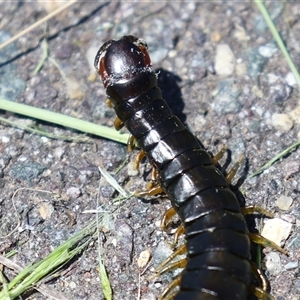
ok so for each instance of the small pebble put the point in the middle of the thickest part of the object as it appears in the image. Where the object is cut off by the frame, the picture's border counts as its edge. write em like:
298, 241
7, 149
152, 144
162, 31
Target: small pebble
290, 79
276, 230
291, 169
224, 60
284, 202
273, 263
72, 285
59, 152
295, 114
292, 265
281, 122
46, 210
73, 192
5, 139
267, 50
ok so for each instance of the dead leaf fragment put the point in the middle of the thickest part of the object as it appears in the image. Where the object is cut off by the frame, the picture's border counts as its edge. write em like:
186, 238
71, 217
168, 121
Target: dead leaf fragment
143, 258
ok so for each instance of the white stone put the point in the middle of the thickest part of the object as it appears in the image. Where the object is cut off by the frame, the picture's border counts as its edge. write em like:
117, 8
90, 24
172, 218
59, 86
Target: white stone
224, 60
273, 263
267, 50
290, 79
292, 265
281, 122
284, 202
276, 230
295, 114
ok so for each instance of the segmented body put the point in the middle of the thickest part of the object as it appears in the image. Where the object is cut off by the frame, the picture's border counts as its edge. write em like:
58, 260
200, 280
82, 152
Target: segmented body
218, 246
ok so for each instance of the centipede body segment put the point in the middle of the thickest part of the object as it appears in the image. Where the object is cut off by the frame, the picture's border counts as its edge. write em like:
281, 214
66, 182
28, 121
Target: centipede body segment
217, 246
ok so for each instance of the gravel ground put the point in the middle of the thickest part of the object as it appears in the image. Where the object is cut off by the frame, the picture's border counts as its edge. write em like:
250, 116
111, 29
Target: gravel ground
221, 73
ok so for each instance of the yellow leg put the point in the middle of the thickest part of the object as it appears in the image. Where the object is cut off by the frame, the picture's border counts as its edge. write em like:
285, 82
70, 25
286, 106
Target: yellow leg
130, 143
218, 156
138, 159
259, 239
168, 216
259, 276
152, 192
118, 124
167, 295
181, 250
260, 294
154, 178
109, 103
233, 170
250, 210
180, 230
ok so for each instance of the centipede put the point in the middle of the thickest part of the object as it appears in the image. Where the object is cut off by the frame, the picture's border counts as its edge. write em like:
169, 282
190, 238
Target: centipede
217, 244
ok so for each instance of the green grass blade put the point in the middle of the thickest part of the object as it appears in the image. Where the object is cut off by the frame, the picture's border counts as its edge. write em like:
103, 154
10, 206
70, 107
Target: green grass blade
274, 159
59, 119
278, 39
3, 283
31, 275
113, 182
106, 287
260, 4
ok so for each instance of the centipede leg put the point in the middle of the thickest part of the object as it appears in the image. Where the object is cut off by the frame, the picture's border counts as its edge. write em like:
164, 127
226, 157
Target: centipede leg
181, 250
167, 220
233, 170
215, 159
154, 178
138, 159
177, 264
152, 192
180, 230
167, 217
109, 103
259, 276
250, 210
260, 240
260, 294
130, 143
118, 124
167, 295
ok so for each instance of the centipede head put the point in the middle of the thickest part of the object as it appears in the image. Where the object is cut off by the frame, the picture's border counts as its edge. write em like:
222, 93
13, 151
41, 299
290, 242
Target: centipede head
119, 61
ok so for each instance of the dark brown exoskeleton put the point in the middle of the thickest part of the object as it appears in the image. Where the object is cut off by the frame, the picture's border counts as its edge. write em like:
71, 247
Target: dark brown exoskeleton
217, 263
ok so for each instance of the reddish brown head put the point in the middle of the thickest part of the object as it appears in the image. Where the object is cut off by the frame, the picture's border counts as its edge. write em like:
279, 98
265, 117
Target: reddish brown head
119, 61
